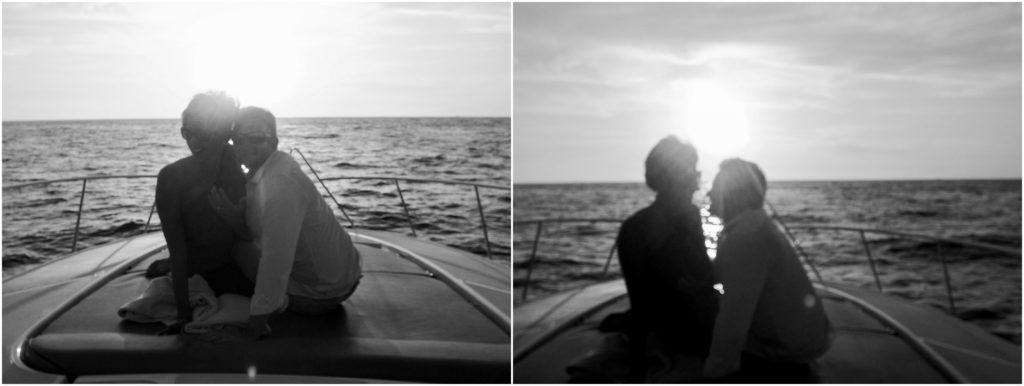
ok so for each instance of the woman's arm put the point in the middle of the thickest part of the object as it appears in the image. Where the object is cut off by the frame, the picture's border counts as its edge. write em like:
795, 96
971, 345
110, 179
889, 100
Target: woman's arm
745, 263
233, 214
168, 204
229, 201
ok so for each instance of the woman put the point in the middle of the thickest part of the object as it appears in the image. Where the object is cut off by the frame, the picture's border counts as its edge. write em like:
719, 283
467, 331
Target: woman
665, 264
198, 239
770, 317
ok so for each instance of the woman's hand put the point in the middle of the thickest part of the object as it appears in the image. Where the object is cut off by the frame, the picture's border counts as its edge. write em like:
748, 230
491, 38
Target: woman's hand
227, 210
233, 214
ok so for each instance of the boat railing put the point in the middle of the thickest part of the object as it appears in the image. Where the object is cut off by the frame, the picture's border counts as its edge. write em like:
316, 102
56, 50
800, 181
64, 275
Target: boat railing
85, 181
939, 242
81, 197
408, 216
539, 223
863, 232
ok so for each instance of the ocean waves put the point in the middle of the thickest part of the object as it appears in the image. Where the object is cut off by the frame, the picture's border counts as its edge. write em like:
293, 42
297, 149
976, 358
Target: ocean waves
39, 221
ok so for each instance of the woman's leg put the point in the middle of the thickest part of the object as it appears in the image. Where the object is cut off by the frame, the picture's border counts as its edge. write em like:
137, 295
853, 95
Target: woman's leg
220, 270
229, 279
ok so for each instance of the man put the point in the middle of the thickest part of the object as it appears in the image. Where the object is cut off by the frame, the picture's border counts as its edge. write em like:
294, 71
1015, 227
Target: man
303, 259
769, 312
666, 267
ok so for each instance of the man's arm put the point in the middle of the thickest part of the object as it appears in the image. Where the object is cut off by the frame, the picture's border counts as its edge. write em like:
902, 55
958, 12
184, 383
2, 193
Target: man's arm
168, 205
743, 276
630, 249
280, 210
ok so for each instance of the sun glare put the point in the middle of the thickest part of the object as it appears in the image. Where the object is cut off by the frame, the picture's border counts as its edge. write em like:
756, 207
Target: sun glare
249, 53
713, 117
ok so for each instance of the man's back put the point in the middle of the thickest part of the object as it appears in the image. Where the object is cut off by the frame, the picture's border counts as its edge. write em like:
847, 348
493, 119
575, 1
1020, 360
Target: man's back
667, 272
295, 227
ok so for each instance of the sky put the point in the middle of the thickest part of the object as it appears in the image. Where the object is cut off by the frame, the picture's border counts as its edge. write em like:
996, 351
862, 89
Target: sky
809, 91
146, 60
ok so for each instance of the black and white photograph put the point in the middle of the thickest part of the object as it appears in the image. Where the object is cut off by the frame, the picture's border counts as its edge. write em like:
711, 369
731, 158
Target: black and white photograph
240, 192
512, 192
767, 192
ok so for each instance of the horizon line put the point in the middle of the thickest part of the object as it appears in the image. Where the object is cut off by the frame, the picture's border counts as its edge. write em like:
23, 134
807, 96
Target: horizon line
277, 117
907, 179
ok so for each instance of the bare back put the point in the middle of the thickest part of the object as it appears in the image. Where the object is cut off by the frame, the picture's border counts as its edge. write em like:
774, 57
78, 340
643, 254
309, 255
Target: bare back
208, 238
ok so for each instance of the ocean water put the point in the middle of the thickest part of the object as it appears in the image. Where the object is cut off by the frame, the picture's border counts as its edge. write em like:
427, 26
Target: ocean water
986, 285
39, 222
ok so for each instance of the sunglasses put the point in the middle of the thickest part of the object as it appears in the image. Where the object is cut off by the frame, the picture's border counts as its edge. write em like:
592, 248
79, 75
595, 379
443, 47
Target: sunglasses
251, 139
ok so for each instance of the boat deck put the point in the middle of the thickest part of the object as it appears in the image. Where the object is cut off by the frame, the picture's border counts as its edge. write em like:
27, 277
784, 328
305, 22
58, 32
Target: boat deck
866, 348
402, 323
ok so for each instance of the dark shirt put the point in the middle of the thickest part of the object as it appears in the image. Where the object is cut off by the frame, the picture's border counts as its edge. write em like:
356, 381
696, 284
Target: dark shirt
770, 308
668, 275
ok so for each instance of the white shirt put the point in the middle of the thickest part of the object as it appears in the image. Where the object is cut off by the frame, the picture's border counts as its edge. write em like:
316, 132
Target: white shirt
304, 250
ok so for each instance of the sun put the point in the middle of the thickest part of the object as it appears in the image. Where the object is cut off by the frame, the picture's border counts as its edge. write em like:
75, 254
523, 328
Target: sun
713, 117
248, 53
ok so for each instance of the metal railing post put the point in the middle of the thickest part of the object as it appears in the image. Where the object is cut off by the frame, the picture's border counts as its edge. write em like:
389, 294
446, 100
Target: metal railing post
871, 261
808, 260
945, 273
800, 250
78, 222
533, 255
408, 217
150, 218
480, 208
608, 262
336, 203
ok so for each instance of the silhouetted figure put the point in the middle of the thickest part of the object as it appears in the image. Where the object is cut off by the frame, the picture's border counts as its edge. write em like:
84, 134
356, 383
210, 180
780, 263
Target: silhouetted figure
770, 317
666, 267
301, 259
198, 240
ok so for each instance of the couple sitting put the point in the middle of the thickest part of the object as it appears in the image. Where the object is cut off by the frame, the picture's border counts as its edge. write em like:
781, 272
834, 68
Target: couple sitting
768, 315
267, 234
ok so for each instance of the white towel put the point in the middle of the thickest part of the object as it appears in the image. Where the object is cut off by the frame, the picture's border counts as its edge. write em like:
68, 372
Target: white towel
156, 304
233, 309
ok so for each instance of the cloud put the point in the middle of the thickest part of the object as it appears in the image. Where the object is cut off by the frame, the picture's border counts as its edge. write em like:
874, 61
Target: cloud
803, 52
815, 75
440, 53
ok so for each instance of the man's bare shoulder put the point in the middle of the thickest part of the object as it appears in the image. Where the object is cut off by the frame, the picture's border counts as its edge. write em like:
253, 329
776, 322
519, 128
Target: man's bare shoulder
641, 219
178, 170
